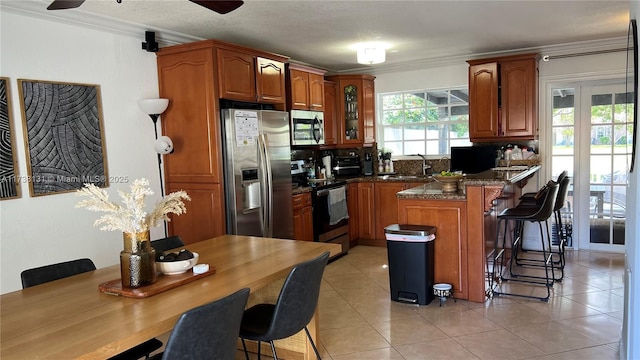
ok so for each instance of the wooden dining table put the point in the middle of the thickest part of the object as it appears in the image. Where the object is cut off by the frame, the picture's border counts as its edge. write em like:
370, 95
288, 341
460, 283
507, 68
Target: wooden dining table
71, 319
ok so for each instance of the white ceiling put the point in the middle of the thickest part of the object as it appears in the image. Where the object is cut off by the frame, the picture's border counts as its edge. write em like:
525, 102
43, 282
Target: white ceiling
322, 32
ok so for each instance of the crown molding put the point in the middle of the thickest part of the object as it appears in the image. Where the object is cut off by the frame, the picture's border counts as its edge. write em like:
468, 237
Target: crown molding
550, 50
77, 17
37, 9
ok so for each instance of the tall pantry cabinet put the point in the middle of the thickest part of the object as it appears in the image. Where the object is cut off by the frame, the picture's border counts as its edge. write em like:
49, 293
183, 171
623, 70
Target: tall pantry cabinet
189, 76
186, 77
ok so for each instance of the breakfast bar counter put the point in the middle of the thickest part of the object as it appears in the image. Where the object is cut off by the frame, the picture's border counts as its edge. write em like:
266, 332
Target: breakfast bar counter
70, 318
433, 189
465, 223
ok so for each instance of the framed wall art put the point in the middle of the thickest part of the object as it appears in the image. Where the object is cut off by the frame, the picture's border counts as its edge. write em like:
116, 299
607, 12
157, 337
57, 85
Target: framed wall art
9, 186
64, 139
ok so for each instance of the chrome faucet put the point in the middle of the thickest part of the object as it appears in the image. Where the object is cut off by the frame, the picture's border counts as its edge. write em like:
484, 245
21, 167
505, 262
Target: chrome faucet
425, 166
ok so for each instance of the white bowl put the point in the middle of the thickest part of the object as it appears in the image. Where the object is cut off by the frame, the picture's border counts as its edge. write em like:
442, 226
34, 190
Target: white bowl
176, 267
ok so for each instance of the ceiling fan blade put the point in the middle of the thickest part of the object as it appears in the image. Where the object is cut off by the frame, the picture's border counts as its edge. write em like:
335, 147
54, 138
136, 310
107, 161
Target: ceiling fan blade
219, 6
64, 4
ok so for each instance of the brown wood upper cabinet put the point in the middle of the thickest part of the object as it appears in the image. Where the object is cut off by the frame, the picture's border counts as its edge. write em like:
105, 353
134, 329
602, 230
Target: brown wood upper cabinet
194, 77
356, 122
305, 88
503, 98
187, 77
330, 112
245, 76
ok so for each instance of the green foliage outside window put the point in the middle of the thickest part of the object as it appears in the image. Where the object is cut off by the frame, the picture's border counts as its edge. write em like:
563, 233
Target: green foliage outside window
427, 122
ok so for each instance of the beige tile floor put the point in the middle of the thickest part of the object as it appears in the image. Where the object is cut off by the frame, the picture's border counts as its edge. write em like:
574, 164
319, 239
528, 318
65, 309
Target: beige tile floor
582, 320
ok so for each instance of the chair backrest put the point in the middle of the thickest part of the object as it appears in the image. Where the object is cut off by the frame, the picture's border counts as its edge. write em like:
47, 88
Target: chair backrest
562, 175
43, 274
164, 244
548, 202
209, 331
298, 298
563, 190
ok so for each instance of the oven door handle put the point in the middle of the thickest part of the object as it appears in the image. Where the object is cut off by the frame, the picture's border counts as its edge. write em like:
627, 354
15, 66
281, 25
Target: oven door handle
325, 191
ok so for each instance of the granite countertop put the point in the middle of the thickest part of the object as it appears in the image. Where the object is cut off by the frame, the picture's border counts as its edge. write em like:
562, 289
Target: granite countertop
490, 177
433, 189
374, 178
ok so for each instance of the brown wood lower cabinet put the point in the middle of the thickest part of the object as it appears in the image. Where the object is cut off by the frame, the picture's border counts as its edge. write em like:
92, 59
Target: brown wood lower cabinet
352, 209
205, 216
302, 217
366, 214
450, 246
386, 205
375, 207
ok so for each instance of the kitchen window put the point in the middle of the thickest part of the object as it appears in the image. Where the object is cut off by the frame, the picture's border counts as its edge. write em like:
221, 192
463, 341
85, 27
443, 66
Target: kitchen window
423, 122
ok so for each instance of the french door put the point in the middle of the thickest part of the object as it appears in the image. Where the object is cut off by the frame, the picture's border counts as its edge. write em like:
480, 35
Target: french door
590, 140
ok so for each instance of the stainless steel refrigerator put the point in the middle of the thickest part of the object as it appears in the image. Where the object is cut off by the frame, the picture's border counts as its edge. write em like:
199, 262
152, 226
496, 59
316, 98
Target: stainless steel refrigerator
257, 172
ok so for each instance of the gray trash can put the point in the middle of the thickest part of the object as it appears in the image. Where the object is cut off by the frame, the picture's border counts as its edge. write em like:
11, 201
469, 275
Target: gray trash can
410, 252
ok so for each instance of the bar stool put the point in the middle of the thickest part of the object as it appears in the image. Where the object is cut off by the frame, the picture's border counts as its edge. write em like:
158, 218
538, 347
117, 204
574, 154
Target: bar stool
561, 235
520, 215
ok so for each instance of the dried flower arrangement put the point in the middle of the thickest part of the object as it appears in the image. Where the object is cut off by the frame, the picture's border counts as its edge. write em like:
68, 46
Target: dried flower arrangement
131, 218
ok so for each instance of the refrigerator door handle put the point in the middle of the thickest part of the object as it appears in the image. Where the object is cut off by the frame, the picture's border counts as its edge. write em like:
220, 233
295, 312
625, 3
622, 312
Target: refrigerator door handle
262, 178
266, 187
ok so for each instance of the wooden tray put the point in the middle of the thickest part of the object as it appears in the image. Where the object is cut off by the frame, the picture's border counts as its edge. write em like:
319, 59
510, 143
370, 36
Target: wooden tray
163, 283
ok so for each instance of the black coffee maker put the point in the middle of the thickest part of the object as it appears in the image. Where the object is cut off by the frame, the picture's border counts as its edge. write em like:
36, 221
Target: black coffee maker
368, 164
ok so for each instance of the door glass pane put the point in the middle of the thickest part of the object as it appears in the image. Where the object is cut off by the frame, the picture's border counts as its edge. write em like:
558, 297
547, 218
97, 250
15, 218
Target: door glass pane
562, 153
608, 172
351, 112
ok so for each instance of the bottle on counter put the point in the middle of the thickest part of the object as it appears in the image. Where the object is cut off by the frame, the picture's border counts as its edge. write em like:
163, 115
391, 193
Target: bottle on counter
507, 156
311, 169
516, 153
380, 166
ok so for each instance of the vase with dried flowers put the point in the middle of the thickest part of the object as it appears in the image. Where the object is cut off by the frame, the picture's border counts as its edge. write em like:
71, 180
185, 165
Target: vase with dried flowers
137, 259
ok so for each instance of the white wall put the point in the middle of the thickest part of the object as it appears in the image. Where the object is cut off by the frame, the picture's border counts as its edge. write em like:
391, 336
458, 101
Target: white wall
35, 231
630, 344
431, 78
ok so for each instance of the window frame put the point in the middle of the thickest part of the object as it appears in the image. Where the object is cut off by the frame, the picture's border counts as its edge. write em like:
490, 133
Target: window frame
380, 127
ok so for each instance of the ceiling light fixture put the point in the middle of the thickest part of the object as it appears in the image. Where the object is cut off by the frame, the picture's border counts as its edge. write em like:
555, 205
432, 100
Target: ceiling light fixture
371, 53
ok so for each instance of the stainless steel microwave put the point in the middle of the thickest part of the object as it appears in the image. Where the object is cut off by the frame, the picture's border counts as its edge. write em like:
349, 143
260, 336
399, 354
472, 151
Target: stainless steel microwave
307, 127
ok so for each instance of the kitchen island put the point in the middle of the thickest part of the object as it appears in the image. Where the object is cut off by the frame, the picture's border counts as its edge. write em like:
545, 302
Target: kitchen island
465, 224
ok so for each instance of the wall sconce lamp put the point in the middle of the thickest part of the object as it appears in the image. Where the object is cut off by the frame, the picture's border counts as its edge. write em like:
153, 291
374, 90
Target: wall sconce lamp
163, 144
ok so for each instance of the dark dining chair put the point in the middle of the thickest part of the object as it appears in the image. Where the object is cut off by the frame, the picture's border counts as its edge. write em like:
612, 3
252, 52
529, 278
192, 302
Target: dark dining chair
209, 331
44, 274
292, 311
47, 273
164, 244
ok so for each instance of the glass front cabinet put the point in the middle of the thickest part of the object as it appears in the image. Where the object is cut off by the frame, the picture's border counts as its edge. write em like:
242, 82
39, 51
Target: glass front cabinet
355, 109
